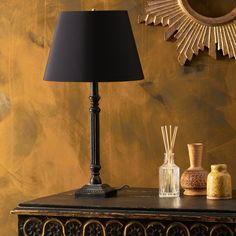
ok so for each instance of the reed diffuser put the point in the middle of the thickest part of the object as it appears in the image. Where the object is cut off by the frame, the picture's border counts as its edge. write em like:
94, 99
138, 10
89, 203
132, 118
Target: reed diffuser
169, 171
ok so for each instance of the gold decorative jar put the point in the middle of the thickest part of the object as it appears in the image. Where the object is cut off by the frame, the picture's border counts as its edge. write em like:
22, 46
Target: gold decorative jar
219, 184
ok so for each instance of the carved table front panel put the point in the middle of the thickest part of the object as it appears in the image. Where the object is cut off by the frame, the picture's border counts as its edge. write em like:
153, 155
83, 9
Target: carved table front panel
64, 226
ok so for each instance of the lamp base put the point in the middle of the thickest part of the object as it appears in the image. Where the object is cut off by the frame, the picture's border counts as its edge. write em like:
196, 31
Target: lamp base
96, 190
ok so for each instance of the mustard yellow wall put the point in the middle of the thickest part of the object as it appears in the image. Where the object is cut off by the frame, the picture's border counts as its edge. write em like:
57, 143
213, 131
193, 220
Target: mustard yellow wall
44, 127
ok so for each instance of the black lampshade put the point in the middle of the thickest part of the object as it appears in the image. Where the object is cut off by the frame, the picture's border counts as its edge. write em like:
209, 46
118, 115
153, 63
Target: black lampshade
93, 46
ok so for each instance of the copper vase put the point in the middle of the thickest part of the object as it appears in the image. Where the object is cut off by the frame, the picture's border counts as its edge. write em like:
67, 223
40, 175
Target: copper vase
194, 179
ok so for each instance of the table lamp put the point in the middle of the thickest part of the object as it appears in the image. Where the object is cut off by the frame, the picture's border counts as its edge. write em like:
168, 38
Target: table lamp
94, 46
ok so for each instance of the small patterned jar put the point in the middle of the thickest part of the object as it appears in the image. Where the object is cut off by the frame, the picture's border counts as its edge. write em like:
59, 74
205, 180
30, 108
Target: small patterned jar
219, 184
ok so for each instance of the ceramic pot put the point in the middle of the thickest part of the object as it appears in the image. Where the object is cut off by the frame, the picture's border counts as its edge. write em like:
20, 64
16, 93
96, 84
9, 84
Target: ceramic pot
219, 184
194, 179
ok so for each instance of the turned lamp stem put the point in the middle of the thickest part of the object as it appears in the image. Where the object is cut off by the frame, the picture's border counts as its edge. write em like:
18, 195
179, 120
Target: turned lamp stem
95, 142
95, 188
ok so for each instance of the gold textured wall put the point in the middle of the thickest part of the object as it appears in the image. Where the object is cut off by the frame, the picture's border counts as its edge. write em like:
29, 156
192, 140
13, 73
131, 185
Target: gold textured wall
44, 127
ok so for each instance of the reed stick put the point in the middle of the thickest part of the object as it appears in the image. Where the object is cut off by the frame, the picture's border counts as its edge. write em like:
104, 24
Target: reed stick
174, 137
167, 139
164, 139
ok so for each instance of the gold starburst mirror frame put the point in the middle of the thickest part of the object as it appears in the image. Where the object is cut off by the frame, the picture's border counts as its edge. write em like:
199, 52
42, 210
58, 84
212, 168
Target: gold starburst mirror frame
192, 30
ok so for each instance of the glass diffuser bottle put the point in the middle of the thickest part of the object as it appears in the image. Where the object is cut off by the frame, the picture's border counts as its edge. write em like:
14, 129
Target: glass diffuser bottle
169, 177
169, 171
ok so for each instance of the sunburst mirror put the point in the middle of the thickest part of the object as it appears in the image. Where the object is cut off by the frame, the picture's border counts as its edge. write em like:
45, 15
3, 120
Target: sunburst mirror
196, 25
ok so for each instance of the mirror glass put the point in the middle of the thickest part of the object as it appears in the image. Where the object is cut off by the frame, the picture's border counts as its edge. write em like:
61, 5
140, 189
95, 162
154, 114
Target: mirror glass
212, 8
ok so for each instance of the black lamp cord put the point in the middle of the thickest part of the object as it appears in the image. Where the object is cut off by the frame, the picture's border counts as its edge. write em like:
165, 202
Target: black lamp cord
125, 186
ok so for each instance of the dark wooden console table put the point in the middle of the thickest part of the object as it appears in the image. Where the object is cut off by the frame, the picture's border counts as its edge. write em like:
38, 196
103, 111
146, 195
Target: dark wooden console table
134, 212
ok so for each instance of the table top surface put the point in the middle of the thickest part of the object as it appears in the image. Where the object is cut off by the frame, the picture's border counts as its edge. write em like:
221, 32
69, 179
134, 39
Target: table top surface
132, 199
